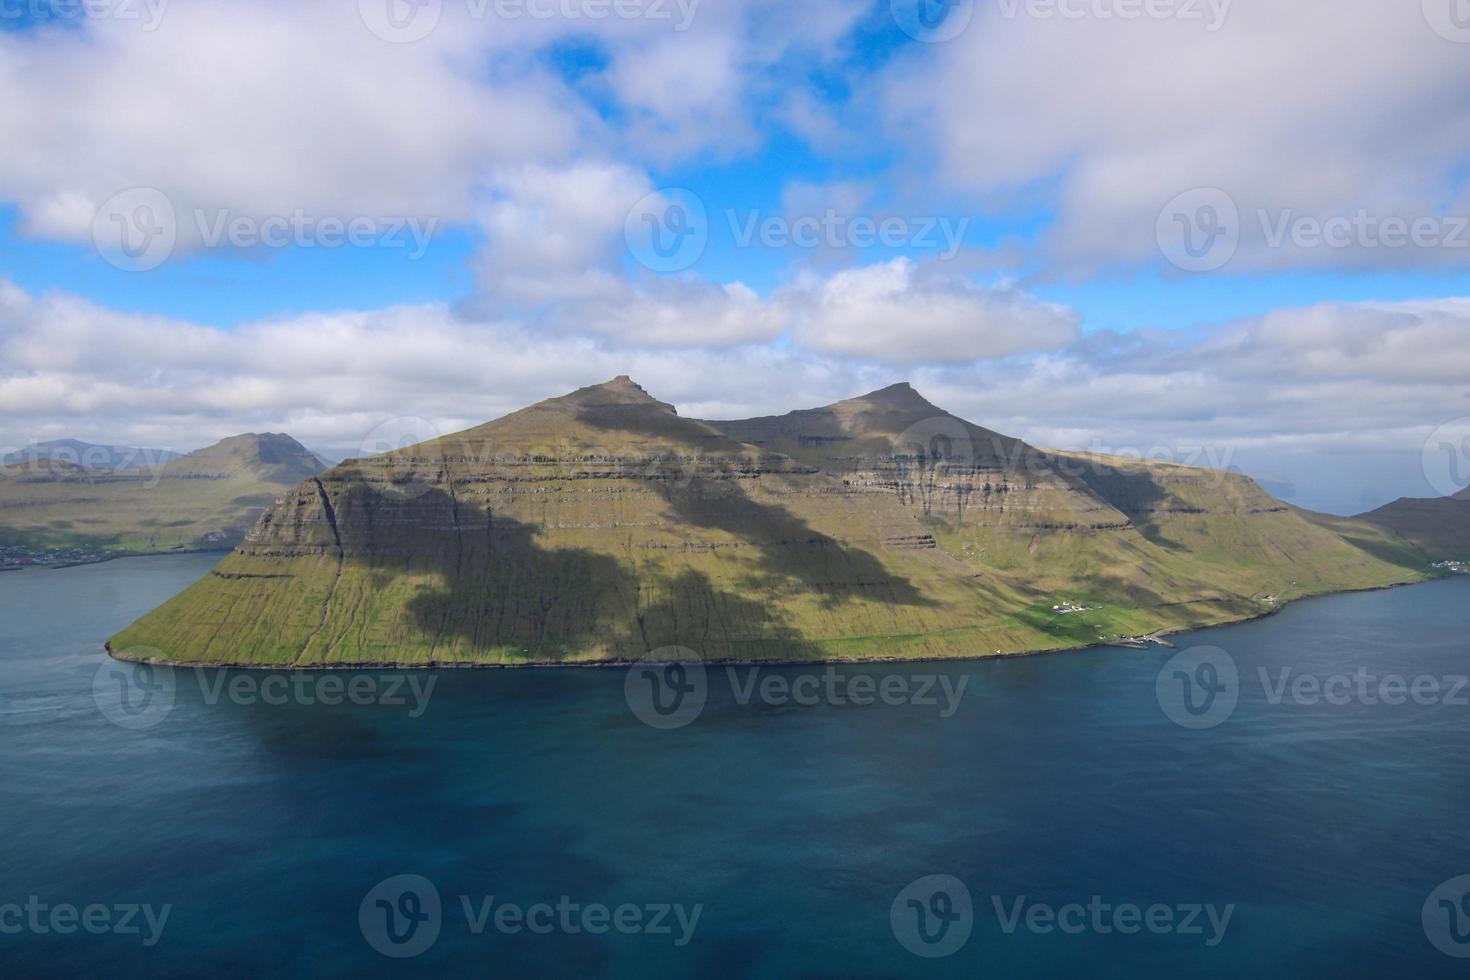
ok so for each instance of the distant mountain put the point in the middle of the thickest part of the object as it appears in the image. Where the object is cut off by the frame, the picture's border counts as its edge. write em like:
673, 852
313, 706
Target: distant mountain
269, 457
91, 455
1439, 525
601, 526
206, 499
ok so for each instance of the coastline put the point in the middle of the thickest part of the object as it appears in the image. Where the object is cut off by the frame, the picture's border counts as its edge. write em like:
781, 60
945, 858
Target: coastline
99, 559
746, 662
144, 554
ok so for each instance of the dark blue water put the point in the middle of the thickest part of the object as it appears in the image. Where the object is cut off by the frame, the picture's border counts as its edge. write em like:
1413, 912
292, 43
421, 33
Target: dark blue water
263, 826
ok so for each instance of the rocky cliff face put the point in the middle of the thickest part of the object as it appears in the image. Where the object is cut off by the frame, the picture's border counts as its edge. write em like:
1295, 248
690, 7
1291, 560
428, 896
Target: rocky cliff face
895, 443
602, 525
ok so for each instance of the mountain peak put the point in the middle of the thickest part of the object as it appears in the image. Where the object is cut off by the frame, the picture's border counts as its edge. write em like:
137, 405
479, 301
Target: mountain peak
613, 416
621, 391
900, 397
272, 456
254, 441
624, 385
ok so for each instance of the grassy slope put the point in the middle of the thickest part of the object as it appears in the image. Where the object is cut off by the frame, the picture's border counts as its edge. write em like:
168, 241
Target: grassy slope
1440, 526
601, 526
207, 499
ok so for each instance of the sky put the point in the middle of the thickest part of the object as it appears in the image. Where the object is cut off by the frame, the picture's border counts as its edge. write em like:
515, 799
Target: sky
1231, 232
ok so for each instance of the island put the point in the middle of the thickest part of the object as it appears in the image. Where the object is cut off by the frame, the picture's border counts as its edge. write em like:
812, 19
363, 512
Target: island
603, 527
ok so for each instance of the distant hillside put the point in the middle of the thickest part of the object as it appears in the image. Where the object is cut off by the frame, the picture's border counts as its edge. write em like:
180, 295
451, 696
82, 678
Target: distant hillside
1439, 525
206, 499
601, 525
91, 455
269, 457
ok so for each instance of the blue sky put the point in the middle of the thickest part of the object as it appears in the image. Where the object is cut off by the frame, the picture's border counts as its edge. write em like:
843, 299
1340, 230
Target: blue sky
1106, 231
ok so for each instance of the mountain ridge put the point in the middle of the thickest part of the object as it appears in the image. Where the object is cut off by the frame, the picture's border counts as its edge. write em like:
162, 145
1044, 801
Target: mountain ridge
601, 526
90, 454
1438, 525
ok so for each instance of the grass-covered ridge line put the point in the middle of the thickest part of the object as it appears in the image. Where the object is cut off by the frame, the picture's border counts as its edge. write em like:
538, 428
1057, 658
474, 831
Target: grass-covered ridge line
601, 526
1440, 526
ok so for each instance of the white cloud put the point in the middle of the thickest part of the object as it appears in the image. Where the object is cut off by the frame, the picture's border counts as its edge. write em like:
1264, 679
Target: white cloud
261, 109
705, 89
556, 245
1331, 376
894, 313
683, 313
1330, 389
1317, 106
556, 234
70, 367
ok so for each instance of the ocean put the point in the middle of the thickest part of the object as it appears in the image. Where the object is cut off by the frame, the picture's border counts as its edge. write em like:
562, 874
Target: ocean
1281, 798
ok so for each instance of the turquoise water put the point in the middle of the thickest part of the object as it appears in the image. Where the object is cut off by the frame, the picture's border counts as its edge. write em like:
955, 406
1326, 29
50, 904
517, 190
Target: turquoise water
263, 827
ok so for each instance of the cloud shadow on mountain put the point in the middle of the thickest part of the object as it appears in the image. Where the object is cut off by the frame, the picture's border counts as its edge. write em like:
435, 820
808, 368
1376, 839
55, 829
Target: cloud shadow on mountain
500, 589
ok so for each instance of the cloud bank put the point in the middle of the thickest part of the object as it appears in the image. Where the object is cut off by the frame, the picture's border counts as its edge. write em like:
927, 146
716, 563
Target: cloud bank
1354, 380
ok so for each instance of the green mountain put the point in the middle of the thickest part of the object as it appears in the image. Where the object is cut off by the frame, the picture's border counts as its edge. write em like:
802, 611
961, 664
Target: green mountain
270, 457
1438, 525
203, 500
601, 525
